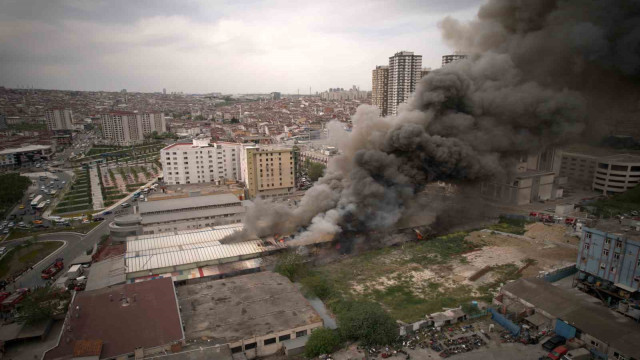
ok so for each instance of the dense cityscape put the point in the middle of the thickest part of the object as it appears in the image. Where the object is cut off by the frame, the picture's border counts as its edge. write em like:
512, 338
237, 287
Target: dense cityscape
484, 208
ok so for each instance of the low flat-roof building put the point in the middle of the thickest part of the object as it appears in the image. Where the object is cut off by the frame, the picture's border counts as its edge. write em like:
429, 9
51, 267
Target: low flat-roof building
253, 314
177, 214
24, 156
123, 321
604, 331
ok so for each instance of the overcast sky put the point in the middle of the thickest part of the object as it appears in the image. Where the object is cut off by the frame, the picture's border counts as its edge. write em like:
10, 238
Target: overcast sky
238, 46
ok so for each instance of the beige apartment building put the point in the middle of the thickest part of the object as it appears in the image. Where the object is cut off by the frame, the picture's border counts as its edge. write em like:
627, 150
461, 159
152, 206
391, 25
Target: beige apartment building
59, 119
128, 128
268, 171
380, 88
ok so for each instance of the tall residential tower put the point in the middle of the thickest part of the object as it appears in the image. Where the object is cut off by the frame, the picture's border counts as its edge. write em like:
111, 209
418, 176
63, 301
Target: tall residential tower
380, 88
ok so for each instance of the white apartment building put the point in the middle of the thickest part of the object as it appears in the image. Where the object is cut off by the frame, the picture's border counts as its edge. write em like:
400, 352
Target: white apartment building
268, 171
59, 119
405, 70
380, 88
201, 162
129, 128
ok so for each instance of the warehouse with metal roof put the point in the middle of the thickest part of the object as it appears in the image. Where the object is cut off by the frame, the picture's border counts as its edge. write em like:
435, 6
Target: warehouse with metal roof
165, 253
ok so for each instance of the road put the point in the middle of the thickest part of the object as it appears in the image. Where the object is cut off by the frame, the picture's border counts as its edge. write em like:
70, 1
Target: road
77, 244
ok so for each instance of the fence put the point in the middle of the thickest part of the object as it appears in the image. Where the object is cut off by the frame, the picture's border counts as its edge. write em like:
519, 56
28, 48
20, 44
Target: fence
558, 274
504, 322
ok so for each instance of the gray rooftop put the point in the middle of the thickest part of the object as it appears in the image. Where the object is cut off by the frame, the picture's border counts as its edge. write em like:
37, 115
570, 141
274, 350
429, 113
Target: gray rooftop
106, 273
186, 202
243, 307
615, 329
191, 214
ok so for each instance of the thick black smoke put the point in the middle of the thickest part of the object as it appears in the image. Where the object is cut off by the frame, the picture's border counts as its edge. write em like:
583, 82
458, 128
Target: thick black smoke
539, 74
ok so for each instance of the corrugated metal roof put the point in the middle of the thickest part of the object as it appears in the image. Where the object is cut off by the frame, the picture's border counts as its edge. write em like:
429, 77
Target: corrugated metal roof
149, 252
191, 214
186, 203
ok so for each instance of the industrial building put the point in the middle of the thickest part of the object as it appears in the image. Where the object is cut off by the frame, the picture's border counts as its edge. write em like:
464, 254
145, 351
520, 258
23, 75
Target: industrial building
268, 171
571, 314
124, 322
24, 156
201, 162
533, 180
609, 262
255, 315
177, 214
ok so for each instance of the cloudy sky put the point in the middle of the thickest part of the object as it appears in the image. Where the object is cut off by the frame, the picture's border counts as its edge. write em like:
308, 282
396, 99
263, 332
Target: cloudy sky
203, 46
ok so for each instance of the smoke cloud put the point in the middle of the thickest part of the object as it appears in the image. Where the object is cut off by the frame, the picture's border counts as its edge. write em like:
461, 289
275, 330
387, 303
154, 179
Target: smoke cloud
539, 74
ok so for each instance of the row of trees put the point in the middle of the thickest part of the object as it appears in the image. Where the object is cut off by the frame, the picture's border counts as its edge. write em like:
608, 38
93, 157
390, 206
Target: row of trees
363, 321
12, 190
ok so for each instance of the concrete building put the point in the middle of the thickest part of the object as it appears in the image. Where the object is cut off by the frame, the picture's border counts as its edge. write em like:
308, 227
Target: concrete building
616, 174
3, 122
255, 315
170, 215
24, 156
617, 170
129, 128
122, 322
268, 171
424, 72
572, 314
609, 254
533, 180
380, 88
201, 162
59, 119
321, 155
405, 70
448, 59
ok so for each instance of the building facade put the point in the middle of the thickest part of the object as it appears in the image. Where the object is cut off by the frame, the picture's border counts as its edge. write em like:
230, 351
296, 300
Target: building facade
129, 128
617, 173
610, 253
268, 171
405, 69
201, 162
380, 88
24, 156
448, 59
59, 119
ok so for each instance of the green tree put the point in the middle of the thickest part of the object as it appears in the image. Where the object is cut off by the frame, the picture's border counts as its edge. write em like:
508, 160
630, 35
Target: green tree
315, 171
368, 323
290, 264
42, 304
12, 190
317, 285
321, 341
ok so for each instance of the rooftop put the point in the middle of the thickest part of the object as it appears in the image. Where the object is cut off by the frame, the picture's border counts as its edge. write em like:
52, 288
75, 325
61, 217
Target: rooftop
622, 159
191, 214
121, 326
614, 227
617, 330
186, 203
24, 149
243, 307
192, 248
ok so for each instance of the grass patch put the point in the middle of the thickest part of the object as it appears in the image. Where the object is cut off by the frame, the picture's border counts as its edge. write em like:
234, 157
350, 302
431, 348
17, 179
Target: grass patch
512, 226
619, 204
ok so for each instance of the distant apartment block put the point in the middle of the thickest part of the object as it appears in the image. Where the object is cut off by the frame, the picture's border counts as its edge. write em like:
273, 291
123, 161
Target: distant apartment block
380, 88
268, 171
448, 59
201, 162
129, 128
3, 122
59, 119
609, 254
405, 69
424, 72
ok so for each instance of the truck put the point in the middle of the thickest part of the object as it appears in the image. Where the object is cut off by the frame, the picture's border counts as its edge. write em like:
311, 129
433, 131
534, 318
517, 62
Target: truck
42, 205
52, 269
577, 354
10, 302
75, 271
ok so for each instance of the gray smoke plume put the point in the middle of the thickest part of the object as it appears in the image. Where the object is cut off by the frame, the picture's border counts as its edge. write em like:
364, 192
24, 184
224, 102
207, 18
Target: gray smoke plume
539, 74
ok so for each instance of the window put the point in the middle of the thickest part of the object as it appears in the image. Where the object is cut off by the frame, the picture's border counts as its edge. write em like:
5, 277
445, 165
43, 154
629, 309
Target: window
607, 241
586, 246
301, 333
250, 346
618, 244
284, 337
603, 266
612, 269
605, 252
269, 341
616, 256
237, 349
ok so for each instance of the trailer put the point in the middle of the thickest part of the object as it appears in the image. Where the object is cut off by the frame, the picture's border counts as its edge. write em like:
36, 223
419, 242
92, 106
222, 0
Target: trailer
14, 299
52, 269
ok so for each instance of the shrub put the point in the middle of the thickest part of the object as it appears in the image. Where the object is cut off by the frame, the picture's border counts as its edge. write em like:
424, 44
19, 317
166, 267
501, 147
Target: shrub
321, 341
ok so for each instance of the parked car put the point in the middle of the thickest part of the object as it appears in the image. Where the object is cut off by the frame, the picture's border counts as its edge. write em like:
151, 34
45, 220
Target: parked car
125, 205
21, 206
558, 352
554, 342
107, 212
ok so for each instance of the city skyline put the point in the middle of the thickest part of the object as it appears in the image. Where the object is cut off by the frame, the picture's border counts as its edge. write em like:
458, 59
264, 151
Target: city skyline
198, 47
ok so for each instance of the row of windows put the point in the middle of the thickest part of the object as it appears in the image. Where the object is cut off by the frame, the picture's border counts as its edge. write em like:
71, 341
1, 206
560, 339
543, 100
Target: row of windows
269, 341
